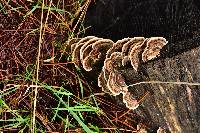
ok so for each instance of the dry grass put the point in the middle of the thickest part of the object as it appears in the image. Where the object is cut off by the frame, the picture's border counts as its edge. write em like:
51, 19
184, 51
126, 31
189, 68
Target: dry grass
42, 91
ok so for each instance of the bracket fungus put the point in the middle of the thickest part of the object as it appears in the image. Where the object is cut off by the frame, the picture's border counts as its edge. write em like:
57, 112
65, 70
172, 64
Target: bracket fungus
130, 101
117, 47
128, 46
75, 48
107, 68
112, 64
88, 50
87, 47
75, 42
154, 45
134, 54
115, 56
76, 57
115, 90
103, 83
116, 84
99, 49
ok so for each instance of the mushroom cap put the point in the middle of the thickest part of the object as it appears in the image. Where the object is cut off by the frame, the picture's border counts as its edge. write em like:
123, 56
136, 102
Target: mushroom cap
85, 39
116, 83
75, 48
127, 48
100, 47
108, 64
114, 55
87, 63
102, 83
82, 40
101, 43
117, 47
72, 43
97, 52
131, 42
130, 101
134, 54
114, 89
107, 68
120, 82
152, 50
119, 79
76, 54
100, 79
87, 47
116, 58
125, 60
111, 65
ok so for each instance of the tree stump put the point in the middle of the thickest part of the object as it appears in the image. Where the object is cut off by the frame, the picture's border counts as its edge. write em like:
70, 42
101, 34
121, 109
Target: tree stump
174, 101
167, 88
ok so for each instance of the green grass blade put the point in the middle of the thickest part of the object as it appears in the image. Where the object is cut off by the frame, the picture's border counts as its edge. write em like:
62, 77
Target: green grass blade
31, 11
80, 122
81, 86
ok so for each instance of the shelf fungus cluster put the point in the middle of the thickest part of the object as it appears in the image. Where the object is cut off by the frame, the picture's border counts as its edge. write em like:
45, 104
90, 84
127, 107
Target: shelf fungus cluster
115, 56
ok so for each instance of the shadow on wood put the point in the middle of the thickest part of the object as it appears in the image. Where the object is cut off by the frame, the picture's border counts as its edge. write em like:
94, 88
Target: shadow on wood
167, 88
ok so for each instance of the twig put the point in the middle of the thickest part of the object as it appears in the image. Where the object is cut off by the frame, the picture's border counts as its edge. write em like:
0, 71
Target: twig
82, 14
37, 71
161, 82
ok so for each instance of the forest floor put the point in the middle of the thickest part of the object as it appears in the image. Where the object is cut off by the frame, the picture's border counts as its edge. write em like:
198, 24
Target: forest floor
41, 90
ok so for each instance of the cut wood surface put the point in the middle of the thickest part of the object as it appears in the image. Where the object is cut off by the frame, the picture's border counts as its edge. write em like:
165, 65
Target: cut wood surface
174, 85
167, 88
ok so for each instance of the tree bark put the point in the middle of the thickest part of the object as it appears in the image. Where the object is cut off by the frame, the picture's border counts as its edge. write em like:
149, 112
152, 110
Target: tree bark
174, 90
167, 88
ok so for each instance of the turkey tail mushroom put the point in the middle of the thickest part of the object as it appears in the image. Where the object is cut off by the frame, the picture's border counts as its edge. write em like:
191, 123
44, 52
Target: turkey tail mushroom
114, 56
76, 54
87, 47
112, 86
111, 76
111, 64
88, 50
99, 49
135, 52
75, 48
107, 68
128, 46
102, 83
152, 50
74, 42
130, 101
117, 47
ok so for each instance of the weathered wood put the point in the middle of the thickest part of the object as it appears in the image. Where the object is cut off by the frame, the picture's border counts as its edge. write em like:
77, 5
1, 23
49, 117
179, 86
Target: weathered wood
174, 106
167, 87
